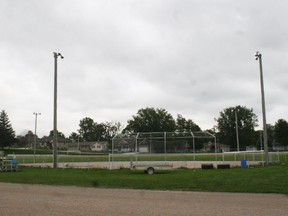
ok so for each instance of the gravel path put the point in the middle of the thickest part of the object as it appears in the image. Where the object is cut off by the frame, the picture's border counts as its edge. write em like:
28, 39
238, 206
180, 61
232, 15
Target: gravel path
20, 199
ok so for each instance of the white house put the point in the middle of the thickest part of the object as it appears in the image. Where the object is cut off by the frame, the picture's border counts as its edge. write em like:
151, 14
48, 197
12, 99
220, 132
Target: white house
99, 146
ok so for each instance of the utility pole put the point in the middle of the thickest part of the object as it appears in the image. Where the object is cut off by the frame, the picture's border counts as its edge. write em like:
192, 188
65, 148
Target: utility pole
237, 134
258, 56
35, 134
55, 132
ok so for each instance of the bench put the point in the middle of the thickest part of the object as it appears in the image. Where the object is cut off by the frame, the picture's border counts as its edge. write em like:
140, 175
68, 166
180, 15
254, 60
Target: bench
223, 166
207, 166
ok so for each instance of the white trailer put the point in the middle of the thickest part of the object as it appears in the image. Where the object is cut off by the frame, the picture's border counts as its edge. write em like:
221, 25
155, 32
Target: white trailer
148, 167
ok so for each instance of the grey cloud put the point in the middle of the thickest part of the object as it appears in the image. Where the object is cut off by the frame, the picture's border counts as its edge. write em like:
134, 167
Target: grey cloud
194, 58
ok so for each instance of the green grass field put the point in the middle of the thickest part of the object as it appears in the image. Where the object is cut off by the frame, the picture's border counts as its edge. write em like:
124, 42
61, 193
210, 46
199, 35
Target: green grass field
271, 179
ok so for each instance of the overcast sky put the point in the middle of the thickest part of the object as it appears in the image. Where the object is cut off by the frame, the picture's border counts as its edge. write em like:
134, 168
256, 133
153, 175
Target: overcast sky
193, 58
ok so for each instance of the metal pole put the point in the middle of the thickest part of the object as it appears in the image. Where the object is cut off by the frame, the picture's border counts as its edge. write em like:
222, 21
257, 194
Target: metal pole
165, 145
111, 158
78, 143
193, 140
136, 148
259, 57
237, 134
261, 141
35, 134
215, 148
55, 144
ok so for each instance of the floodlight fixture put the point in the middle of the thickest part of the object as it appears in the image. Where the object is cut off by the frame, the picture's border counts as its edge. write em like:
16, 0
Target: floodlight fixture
58, 54
257, 55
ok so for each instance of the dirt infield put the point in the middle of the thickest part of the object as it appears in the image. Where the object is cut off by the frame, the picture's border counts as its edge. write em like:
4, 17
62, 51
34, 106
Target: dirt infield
24, 200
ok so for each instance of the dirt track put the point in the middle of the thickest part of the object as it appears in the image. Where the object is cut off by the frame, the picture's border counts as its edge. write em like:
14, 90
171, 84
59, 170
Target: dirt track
19, 199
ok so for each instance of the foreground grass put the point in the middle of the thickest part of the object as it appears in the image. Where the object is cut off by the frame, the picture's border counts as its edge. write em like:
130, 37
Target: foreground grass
272, 179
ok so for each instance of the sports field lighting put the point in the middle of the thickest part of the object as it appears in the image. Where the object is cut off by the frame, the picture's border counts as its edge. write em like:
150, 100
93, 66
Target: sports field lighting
35, 135
55, 144
237, 134
258, 56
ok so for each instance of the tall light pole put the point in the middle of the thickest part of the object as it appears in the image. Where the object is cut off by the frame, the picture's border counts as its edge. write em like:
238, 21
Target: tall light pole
35, 134
55, 144
258, 56
237, 134
78, 142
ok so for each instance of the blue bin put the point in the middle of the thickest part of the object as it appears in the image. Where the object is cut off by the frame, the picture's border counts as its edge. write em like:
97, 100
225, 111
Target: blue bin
243, 164
13, 163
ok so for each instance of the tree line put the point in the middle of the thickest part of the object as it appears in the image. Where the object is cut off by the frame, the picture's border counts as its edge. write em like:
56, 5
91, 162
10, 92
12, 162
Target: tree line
160, 120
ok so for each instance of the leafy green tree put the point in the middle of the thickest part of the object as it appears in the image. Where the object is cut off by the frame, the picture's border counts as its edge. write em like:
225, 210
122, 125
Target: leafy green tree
87, 129
270, 137
59, 134
226, 126
281, 132
100, 132
183, 125
151, 119
92, 131
74, 137
26, 140
112, 129
7, 134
